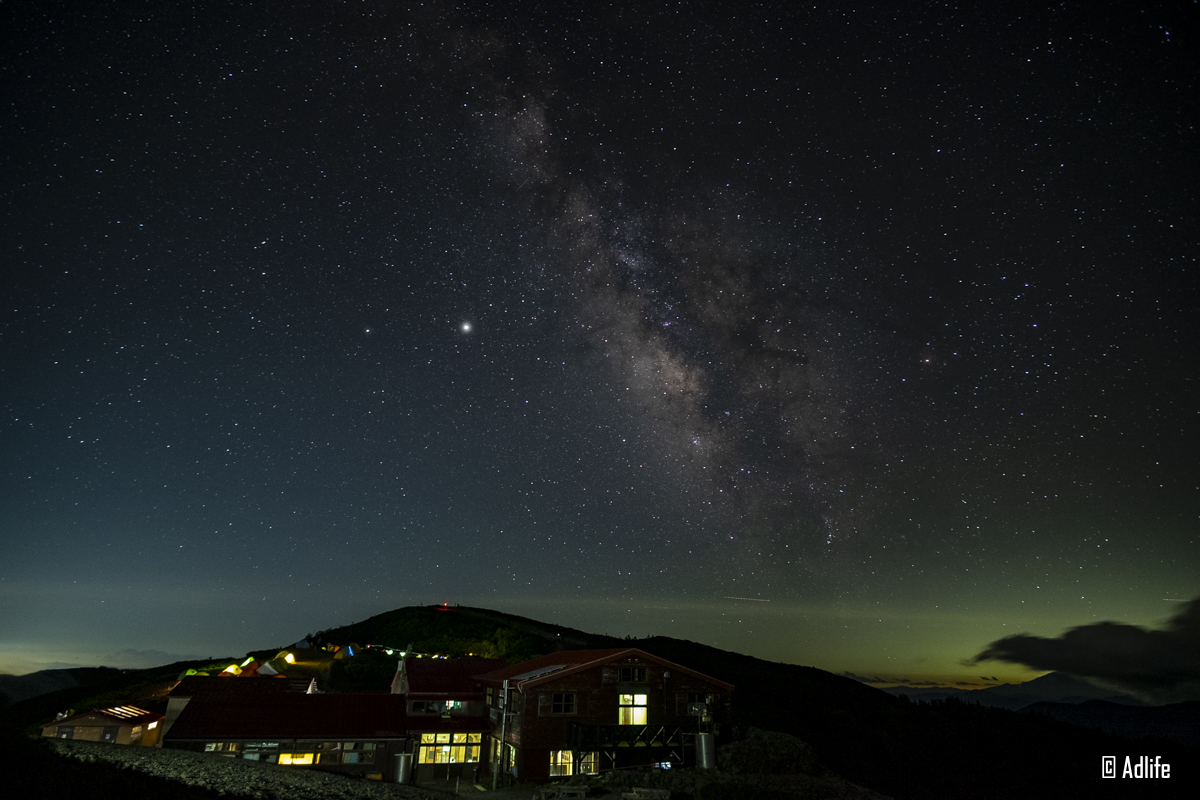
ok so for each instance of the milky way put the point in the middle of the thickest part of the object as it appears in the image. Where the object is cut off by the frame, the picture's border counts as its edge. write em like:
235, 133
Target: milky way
715, 323
887, 320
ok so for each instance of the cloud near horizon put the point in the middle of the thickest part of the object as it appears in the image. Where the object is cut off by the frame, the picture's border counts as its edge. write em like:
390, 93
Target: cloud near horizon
1160, 665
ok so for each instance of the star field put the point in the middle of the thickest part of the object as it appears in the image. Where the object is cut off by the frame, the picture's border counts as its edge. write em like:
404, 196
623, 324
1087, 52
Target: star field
606, 316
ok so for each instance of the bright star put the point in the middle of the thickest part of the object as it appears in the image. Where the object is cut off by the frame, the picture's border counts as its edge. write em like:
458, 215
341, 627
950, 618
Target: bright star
466, 327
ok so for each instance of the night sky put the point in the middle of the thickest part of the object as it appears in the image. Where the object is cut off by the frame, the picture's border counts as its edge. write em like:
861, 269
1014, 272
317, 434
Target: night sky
844, 336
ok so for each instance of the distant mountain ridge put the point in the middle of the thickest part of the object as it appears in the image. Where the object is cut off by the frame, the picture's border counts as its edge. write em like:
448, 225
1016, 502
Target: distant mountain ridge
15, 688
1055, 687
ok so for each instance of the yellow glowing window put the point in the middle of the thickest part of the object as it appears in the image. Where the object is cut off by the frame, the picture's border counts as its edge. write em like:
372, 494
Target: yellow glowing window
567, 762
434, 755
560, 763
295, 758
449, 754
632, 709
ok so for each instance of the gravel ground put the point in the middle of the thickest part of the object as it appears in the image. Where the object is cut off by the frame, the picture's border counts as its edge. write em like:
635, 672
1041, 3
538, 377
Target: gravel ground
252, 779
236, 776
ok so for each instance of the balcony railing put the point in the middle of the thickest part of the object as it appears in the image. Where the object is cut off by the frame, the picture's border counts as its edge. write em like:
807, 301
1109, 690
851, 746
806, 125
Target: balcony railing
601, 737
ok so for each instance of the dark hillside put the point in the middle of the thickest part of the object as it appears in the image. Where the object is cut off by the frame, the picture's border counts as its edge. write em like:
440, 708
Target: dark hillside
32, 770
145, 688
459, 629
14, 688
1179, 722
947, 749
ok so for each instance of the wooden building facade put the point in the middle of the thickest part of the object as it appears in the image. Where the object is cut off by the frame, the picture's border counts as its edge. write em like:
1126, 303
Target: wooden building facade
587, 711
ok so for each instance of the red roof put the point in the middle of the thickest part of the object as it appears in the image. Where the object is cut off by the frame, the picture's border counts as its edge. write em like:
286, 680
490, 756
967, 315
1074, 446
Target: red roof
121, 715
447, 676
291, 716
568, 662
200, 686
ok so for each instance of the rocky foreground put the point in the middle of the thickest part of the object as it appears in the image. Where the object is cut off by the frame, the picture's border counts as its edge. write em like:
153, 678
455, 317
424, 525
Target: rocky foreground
765, 766
238, 777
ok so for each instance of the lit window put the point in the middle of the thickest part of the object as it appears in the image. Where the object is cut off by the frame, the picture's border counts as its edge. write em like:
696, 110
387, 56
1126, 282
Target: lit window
564, 763
295, 758
560, 763
562, 704
632, 709
434, 755
449, 754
